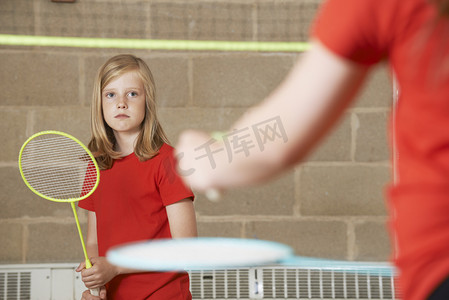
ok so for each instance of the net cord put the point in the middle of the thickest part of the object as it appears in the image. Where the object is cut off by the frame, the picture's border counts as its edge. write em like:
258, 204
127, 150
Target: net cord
151, 44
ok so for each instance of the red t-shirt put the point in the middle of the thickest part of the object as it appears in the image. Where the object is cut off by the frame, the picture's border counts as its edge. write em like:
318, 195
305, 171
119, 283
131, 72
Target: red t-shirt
405, 32
129, 204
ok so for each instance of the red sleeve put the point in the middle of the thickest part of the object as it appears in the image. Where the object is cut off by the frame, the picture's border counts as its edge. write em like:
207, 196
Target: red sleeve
359, 30
87, 203
89, 182
171, 187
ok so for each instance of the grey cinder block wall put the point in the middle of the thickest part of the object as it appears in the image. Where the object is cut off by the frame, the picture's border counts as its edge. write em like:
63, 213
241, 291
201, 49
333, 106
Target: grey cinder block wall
332, 205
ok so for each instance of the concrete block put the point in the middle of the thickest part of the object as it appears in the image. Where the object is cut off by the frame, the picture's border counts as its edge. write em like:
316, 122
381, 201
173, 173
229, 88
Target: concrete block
377, 91
19, 201
11, 246
17, 17
372, 241
342, 190
94, 19
336, 146
176, 120
172, 82
53, 242
275, 198
238, 80
372, 142
325, 239
13, 128
72, 120
201, 20
43, 79
219, 229
285, 20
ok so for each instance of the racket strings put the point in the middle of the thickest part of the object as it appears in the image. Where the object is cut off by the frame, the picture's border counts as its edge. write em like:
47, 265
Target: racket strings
58, 167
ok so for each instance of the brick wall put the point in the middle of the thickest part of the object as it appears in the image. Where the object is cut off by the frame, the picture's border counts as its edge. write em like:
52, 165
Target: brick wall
330, 206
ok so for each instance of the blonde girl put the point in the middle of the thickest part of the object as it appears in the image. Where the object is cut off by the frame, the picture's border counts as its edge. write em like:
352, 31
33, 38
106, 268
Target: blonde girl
140, 196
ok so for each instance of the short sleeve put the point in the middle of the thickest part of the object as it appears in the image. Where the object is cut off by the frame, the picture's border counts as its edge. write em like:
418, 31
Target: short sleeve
88, 203
171, 187
355, 29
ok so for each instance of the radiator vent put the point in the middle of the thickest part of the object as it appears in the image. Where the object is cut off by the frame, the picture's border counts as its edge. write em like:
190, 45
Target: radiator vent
61, 282
290, 283
15, 285
220, 284
283, 283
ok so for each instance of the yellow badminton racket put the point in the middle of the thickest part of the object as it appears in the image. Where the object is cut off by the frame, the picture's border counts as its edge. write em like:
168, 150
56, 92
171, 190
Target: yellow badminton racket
58, 167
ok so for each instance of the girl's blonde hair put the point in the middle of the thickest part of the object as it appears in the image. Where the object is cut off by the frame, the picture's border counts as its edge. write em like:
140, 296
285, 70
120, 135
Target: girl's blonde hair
151, 136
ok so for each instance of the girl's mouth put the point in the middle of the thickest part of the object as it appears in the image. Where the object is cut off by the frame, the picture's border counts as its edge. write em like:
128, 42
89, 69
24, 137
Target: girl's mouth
121, 116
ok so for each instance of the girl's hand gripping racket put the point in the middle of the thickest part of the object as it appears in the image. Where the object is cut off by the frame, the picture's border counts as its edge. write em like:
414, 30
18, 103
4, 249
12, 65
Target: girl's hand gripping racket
58, 167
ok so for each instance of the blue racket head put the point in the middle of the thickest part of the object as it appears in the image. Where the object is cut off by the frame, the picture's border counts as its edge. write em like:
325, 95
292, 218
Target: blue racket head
228, 253
198, 254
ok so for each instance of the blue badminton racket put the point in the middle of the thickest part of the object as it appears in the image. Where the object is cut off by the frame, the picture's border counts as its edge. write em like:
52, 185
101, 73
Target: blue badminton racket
226, 253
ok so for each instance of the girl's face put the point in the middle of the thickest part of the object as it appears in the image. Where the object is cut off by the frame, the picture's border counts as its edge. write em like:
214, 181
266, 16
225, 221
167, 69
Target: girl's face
123, 103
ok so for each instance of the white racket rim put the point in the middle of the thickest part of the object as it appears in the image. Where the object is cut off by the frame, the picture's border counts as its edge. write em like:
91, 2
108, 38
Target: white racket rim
197, 254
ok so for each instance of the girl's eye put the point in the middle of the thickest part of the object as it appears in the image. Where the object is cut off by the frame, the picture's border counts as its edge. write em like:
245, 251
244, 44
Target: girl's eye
132, 94
109, 95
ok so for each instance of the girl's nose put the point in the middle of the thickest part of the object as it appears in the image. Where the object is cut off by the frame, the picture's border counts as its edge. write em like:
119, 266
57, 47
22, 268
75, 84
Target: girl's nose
121, 103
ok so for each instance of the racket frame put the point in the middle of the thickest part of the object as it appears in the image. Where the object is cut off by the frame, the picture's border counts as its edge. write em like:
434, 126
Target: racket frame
72, 201
80, 144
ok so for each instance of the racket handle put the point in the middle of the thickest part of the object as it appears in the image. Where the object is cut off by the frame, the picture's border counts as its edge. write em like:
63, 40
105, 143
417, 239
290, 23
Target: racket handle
213, 195
95, 292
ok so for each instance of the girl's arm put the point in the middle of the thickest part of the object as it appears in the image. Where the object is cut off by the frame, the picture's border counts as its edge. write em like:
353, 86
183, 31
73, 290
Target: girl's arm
307, 104
89, 275
182, 219
91, 239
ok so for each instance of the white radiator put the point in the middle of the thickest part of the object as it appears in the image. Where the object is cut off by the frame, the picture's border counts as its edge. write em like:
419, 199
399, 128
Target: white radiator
61, 282
290, 283
40, 281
